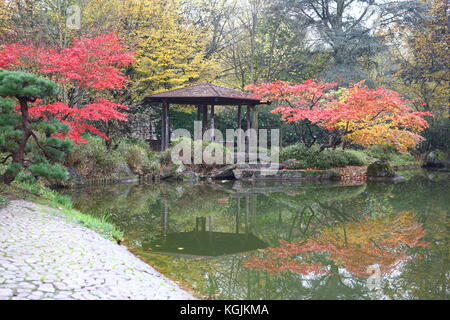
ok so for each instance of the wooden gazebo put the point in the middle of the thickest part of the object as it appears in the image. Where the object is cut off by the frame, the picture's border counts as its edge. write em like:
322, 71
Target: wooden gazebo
205, 96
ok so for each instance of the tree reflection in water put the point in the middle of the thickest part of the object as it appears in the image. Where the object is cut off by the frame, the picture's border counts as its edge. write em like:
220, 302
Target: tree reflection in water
354, 246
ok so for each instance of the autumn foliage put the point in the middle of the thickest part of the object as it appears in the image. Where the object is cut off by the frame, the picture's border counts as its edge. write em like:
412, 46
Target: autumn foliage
98, 110
357, 115
354, 246
90, 66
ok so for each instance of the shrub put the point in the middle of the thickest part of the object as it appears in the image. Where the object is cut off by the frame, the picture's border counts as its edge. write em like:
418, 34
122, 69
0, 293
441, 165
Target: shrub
441, 155
402, 159
135, 157
25, 177
312, 158
297, 152
93, 158
298, 165
135, 142
381, 153
265, 151
357, 158
390, 155
204, 145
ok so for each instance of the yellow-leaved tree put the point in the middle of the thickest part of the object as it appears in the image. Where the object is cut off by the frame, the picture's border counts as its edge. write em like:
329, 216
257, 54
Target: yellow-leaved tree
5, 19
170, 49
420, 51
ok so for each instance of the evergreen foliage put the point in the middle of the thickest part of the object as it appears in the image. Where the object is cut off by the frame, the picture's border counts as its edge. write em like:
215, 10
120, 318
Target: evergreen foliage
28, 144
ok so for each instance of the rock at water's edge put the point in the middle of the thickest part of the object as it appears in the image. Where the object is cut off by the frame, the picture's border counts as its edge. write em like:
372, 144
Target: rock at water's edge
380, 169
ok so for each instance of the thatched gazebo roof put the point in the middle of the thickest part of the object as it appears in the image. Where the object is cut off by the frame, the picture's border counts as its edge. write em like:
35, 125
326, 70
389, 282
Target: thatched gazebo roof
204, 94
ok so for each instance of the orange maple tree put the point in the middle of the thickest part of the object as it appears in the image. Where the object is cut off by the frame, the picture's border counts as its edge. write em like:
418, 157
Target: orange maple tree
358, 114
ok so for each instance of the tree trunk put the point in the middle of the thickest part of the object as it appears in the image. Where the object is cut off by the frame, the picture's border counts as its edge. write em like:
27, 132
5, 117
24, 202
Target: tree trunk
18, 156
334, 140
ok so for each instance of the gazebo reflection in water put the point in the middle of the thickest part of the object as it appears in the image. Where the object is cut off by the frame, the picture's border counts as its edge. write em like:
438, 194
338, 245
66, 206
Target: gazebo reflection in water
203, 241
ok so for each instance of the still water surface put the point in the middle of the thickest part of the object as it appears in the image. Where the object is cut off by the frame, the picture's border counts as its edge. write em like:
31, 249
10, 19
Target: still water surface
254, 240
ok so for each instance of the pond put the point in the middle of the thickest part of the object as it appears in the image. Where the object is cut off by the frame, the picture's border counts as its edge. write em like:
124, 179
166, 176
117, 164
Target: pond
286, 240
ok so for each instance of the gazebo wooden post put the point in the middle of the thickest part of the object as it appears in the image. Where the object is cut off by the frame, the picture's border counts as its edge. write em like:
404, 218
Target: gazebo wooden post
167, 126
165, 134
249, 126
254, 119
248, 116
252, 122
239, 117
205, 119
199, 113
163, 127
213, 122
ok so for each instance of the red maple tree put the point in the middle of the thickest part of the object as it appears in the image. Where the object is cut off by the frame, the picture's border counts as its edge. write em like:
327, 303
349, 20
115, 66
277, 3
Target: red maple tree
90, 67
358, 114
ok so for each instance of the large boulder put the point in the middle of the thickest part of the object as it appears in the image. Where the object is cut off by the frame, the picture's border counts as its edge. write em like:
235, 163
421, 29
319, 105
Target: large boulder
122, 171
380, 169
225, 173
437, 155
167, 172
75, 177
439, 165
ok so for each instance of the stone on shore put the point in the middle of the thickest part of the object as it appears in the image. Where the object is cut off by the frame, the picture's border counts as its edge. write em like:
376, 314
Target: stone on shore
380, 169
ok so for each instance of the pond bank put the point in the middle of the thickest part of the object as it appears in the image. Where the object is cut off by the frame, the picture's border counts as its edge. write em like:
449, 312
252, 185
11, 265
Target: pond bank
44, 256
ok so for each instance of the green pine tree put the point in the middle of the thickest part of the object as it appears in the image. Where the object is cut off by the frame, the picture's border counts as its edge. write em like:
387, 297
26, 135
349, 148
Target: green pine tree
27, 144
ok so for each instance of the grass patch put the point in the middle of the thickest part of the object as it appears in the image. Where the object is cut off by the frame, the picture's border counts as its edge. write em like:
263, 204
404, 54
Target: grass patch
42, 195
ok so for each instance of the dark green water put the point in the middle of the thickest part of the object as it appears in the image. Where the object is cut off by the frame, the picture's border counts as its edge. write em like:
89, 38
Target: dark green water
315, 241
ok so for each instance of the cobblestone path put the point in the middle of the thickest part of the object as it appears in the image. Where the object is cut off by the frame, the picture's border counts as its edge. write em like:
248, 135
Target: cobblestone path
42, 256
